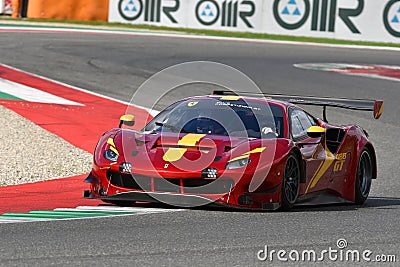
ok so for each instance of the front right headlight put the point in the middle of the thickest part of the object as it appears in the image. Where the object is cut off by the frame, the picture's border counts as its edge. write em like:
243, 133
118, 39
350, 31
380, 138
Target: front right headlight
111, 155
239, 163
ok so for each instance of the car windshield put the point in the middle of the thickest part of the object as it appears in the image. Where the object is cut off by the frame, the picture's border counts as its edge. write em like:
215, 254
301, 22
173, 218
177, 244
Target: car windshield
220, 117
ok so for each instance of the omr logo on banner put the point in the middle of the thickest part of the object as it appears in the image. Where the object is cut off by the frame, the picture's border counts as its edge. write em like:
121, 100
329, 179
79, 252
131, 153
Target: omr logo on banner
152, 9
391, 17
293, 14
209, 12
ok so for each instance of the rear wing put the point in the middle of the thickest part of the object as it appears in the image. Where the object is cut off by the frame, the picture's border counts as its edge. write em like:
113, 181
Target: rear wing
355, 104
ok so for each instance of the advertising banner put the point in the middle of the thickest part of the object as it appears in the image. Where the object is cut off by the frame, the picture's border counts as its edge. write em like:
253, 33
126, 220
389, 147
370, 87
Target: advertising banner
171, 13
363, 20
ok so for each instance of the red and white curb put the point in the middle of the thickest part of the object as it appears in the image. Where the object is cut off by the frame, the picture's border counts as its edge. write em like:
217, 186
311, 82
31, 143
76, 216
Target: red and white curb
78, 213
76, 115
384, 72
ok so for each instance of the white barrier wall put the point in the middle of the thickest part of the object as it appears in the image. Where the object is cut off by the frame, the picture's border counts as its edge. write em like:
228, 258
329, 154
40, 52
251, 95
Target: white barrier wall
2, 6
5, 7
366, 20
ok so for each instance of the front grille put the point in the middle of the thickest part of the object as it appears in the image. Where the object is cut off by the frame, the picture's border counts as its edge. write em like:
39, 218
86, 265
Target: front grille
190, 185
167, 185
130, 181
207, 186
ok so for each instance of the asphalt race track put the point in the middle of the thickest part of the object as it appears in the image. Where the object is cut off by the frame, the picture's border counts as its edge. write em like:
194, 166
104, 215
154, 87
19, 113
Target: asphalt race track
117, 65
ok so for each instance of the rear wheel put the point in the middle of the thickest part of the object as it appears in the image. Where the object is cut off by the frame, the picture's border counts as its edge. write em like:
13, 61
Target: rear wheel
291, 182
363, 176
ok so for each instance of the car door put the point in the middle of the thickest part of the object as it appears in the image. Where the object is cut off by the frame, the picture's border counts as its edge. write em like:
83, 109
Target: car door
312, 150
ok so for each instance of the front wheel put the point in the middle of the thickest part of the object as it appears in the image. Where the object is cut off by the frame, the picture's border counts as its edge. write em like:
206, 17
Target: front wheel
291, 182
363, 177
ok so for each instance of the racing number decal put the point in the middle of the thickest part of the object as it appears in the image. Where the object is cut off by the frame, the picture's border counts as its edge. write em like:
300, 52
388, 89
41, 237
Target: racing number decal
341, 156
340, 160
176, 153
338, 166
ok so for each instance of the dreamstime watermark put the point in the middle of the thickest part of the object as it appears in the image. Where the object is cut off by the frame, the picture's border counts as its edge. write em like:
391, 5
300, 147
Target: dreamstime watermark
340, 253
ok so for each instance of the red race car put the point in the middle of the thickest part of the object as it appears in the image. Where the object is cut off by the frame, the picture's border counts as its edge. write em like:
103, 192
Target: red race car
239, 150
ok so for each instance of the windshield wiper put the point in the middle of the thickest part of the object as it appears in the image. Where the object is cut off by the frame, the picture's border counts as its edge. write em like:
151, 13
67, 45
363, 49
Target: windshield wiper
173, 128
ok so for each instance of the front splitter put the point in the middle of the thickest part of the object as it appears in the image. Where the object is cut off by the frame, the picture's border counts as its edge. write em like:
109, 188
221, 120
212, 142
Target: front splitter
181, 200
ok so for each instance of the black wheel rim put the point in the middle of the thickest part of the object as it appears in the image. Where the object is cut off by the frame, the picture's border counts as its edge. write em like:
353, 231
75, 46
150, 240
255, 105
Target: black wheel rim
364, 173
292, 178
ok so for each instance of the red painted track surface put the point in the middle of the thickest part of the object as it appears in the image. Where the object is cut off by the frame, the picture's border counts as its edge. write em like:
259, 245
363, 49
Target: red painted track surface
79, 125
48, 195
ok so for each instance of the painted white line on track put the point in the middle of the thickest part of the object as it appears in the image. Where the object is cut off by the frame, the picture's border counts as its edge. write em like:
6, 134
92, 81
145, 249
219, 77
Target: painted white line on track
31, 94
82, 212
118, 209
373, 76
14, 220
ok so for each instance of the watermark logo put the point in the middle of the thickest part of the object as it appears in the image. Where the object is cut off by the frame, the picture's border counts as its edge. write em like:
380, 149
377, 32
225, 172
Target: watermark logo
340, 252
341, 243
391, 17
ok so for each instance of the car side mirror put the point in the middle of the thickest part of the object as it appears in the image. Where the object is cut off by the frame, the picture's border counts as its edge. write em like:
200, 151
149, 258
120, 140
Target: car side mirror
127, 119
316, 131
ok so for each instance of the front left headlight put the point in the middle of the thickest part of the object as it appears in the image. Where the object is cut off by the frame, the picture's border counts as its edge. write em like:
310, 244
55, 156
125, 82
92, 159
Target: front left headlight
239, 163
111, 155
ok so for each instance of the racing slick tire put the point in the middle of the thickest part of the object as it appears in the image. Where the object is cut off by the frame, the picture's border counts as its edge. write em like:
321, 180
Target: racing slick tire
291, 182
364, 175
